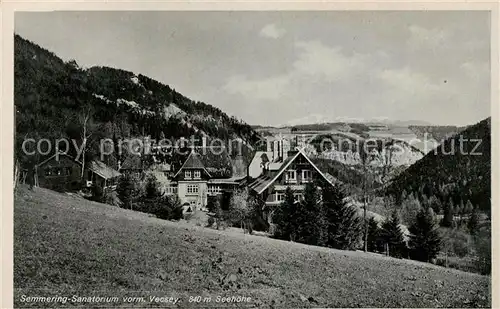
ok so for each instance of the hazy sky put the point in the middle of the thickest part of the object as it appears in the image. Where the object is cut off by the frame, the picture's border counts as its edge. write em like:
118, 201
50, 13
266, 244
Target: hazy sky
280, 67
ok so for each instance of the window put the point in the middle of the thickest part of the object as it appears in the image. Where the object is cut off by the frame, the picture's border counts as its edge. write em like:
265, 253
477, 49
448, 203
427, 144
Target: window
306, 175
214, 189
298, 197
187, 174
192, 189
280, 197
197, 174
291, 176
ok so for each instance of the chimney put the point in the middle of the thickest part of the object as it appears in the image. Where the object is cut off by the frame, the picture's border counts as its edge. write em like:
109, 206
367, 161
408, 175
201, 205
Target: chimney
275, 151
239, 167
286, 149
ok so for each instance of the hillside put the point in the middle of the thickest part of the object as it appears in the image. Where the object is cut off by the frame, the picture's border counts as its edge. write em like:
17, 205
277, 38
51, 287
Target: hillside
64, 245
447, 173
52, 97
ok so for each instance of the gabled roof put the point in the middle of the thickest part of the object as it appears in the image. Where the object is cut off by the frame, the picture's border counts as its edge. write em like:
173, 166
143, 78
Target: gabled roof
193, 161
57, 154
261, 183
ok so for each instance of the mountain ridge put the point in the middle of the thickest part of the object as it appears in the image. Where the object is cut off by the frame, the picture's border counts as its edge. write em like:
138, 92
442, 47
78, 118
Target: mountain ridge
50, 95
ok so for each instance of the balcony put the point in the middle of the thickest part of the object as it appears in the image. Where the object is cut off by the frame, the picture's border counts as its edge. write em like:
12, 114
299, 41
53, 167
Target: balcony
293, 187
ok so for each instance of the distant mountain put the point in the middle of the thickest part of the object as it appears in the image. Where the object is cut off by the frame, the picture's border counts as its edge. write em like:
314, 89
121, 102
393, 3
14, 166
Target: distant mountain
319, 119
52, 95
451, 174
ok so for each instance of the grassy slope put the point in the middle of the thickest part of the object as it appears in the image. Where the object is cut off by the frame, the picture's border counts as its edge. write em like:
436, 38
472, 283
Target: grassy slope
65, 245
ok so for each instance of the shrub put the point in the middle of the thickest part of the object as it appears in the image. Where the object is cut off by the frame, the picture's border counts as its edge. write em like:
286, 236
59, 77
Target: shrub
97, 194
168, 208
482, 246
456, 242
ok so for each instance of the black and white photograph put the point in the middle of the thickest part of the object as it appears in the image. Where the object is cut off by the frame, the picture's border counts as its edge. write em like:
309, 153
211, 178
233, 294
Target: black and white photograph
252, 159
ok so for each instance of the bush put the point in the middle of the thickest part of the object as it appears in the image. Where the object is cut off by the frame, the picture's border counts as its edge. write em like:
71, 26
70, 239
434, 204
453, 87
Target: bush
97, 194
482, 246
168, 208
456, 242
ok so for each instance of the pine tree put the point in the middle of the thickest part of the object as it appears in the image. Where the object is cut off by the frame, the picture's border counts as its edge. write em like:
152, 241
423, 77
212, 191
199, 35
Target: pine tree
374, 233
125, 191
410, 208
435, 203
425, 241
468, 207
473, 222
393, 236
342, 224
284, 217
308, 230
448, 211
152, 188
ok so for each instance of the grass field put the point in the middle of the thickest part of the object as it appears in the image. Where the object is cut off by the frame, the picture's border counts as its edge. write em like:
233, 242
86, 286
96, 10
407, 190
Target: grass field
65, 246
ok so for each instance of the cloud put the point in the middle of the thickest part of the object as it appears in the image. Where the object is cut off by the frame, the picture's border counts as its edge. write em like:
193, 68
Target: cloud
317, 59
316, 65
423, 38
272, 31
271, 88
407, 81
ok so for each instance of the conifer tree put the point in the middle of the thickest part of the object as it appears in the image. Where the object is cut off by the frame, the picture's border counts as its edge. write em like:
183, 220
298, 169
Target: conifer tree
425, 240
469, 208
473, 222
448, 215
308, 230
284, 217
343, 226
374, 234
125, 189
393, 236
435, 203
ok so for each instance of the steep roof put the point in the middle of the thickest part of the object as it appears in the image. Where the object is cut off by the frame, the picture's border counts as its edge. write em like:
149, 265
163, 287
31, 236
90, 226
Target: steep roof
57, 154
193, 161
263, 182
215, 160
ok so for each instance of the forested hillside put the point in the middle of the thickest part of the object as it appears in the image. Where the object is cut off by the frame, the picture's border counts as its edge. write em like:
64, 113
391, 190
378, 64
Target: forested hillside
56, 99
451, 175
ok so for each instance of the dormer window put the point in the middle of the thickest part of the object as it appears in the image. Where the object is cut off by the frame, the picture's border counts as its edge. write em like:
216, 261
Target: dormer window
291, 176
187, 174
197, 174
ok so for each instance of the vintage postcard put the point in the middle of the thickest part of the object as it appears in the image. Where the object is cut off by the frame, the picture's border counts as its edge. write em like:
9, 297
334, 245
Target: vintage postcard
271, 156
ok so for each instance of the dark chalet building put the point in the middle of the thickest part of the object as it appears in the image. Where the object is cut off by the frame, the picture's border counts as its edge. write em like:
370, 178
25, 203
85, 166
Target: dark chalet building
63, 173
279, 168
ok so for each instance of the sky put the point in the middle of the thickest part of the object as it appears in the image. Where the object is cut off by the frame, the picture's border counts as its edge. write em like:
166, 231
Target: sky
290, 67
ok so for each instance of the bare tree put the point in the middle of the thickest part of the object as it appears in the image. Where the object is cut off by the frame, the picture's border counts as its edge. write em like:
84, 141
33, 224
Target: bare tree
88, 127
366, 158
